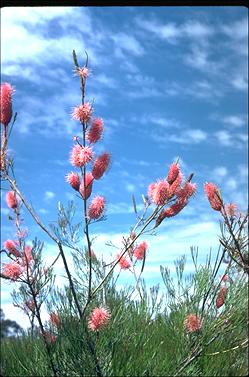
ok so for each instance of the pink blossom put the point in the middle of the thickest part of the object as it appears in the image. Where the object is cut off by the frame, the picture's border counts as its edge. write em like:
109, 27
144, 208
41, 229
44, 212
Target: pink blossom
82, 112
192, 323
49, 337
96, 130
186, 191
80, 156
96, 208
173, 188
221, 296
173, 173
28, 254
11, 199
6, 103
89, 181
55, 319
231, 209
100, 165
74, 180
12, 270
213, 196
140, 250
171, 211
124, 263
82, 72
225, 278
98, 318
11, 247
159, 192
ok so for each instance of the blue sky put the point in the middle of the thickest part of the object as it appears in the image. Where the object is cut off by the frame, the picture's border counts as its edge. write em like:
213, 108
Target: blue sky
168, 82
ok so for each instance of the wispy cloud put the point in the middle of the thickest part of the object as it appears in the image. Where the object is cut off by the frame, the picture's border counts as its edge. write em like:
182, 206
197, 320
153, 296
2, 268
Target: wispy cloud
127, 43
48, 195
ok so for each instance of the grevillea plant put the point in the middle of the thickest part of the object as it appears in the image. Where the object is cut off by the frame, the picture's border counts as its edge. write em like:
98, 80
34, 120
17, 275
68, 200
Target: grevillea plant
85, 300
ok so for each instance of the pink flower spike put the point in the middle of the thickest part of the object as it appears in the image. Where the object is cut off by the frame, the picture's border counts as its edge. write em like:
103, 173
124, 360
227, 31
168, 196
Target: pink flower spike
140, 250
100, 165
28, 254
11, 247
124, 263
231, 209
192, 323
221, 296
96, 130
213, 196
174, 170
13, 270
80, 156
159, 192
6, 103
98, 318
82, 112
174, 187
74, 180
96, 208
11, 199
49, 337
89, 181
55, 319
186, 191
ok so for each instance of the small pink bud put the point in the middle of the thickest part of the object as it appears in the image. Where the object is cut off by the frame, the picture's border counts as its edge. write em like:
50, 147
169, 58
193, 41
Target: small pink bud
213, 196
74, 180
96, 130
89, 182
174, 170
221, 296
100, 165
11, 199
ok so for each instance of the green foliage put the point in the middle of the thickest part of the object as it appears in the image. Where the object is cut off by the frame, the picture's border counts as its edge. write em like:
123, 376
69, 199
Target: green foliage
146, 337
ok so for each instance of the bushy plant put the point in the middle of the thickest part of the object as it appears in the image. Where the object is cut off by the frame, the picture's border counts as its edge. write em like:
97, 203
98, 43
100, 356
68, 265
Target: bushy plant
197, 325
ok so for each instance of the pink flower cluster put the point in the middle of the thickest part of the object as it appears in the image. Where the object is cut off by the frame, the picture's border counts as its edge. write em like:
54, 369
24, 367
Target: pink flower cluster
6, 103
96, 207
124, 262
12, 200
13, 270
165, 190
213, 195
221, 296
140, 250
55, 319
98, 318
192, 323
83, 112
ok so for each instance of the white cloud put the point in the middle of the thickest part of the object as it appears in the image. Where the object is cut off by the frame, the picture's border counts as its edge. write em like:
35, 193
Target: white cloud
130, 187
191, 136
128, 43
235, 120
231, 184
224, 138
240, 82
219, 173
48, 195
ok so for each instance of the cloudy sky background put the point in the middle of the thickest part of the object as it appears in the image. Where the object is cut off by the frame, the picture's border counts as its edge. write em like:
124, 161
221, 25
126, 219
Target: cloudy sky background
168, 81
